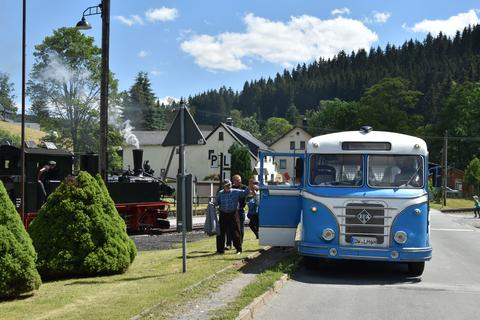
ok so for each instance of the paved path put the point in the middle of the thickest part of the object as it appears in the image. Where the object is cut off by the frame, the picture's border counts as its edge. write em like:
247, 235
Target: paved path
448, 289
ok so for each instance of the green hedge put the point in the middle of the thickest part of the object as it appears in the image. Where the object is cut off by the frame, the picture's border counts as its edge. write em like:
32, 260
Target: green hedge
18, 274
78, 232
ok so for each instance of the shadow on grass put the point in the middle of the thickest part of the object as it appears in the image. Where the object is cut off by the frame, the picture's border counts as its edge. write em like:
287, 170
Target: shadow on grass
23, 296
108, 281
265, 259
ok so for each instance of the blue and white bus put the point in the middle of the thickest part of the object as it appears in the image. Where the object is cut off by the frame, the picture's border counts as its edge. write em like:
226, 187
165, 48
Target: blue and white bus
353, 195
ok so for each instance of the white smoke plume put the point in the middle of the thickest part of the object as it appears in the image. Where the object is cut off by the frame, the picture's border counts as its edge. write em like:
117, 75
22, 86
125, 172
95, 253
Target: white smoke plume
128, 135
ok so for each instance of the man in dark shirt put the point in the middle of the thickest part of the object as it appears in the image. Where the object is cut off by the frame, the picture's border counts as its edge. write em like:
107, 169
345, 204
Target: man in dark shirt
227, 202
237, 184
43, 176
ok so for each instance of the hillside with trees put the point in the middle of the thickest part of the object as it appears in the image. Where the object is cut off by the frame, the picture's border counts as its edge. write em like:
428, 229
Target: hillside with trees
421, 88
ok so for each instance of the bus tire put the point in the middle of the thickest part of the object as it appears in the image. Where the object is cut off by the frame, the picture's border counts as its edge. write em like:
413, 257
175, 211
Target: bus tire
415, 269
310, 263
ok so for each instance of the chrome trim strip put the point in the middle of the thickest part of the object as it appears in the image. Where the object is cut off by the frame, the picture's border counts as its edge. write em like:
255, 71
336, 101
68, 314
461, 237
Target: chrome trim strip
314, 254
372, 208
308, 195
363, 257
353, 216
364, 249
312, 246
427, 249
281, 192
363, 225
364, 234
416, 259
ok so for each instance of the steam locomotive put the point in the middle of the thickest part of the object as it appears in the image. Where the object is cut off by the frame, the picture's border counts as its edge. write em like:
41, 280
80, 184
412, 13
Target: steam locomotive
138, 196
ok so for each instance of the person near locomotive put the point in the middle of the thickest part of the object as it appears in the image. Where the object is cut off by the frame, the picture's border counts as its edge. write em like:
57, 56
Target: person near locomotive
237, 184
252, 203
227, 202
42, 178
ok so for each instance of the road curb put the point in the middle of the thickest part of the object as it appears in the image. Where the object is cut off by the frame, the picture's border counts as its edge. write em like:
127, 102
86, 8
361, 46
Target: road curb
250, 311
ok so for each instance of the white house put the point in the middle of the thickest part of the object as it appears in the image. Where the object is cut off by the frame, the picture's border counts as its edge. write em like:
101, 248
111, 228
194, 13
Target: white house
202, 161
292, 141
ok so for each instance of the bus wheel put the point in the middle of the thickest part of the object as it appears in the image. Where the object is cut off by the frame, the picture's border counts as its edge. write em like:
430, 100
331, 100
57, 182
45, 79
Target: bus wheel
415, 269
310, 263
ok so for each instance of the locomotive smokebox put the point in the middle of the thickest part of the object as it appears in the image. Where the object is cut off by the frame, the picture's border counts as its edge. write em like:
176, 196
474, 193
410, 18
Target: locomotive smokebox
89, 163
137, 161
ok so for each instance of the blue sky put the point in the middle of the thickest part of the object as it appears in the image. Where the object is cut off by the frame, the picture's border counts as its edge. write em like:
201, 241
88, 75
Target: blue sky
188, 47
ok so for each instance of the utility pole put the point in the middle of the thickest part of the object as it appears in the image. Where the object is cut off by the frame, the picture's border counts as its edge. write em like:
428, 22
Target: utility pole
445, 167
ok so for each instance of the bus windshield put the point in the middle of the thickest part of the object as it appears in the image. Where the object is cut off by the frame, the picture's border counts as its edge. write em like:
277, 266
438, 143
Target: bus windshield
336, 170
395, 171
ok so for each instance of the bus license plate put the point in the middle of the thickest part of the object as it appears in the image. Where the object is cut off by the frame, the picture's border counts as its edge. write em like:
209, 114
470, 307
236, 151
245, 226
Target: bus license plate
364, 241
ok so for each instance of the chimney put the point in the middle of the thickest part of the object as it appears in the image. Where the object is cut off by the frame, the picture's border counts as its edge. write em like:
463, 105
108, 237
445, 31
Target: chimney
137, 161
229, 121
304, 123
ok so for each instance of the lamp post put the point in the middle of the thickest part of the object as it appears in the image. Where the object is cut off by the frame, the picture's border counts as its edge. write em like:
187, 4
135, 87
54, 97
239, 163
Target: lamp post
104, 10
22, 139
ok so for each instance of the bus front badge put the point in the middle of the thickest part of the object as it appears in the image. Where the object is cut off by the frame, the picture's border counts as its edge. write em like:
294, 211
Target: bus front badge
364, 216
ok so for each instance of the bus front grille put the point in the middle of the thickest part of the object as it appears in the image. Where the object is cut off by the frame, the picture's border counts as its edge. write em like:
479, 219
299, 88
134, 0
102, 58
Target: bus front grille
364, 221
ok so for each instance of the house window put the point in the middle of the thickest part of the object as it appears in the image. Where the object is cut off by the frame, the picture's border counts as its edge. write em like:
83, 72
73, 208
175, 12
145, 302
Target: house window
302, 145
220, 136
292, 145
283, 164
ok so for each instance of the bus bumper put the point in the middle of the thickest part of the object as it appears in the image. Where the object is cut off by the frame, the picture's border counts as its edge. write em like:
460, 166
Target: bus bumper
411, 254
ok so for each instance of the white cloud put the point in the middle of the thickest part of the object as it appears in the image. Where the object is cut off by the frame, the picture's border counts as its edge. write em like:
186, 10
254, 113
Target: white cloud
381, 17
161, 14
449, 26
143, 54
340, 11
130, 21
301, 39
155, 73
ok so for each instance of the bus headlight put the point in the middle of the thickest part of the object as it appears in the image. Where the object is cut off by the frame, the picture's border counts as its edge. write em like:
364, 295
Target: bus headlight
417, 211
400, 237
328, 234
314, 209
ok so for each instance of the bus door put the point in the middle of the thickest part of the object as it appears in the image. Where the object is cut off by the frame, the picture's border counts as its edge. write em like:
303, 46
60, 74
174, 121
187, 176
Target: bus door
281, 178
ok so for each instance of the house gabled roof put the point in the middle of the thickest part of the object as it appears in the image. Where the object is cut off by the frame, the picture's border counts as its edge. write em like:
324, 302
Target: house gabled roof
286, 133
244, 138
153, 138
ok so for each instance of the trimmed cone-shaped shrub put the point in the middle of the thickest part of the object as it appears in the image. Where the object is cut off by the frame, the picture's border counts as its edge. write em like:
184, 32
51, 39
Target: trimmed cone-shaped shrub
18, 274
78, 231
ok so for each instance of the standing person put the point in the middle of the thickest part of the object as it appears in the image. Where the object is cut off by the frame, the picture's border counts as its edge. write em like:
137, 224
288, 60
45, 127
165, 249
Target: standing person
252, 203
237, 184
476, 209
42, 177
227, 202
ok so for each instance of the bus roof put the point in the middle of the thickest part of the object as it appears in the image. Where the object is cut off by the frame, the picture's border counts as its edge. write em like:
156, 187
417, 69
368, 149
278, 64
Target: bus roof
351, 142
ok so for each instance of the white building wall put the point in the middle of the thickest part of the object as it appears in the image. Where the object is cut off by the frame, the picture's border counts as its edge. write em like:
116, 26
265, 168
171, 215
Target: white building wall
296, 135
198, 160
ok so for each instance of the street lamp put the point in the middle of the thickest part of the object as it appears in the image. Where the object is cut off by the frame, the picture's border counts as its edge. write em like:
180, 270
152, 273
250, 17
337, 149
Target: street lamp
22, 139
104, 10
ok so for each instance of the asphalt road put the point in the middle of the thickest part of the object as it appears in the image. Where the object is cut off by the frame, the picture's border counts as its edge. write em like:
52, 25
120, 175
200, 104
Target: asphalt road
448, 289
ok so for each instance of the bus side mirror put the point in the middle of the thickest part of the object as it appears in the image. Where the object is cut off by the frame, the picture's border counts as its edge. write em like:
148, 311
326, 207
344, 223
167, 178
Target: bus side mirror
299, 168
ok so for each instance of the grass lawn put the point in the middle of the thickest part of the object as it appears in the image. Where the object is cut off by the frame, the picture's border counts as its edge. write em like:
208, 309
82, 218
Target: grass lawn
453, 203
155, 277
30, 134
